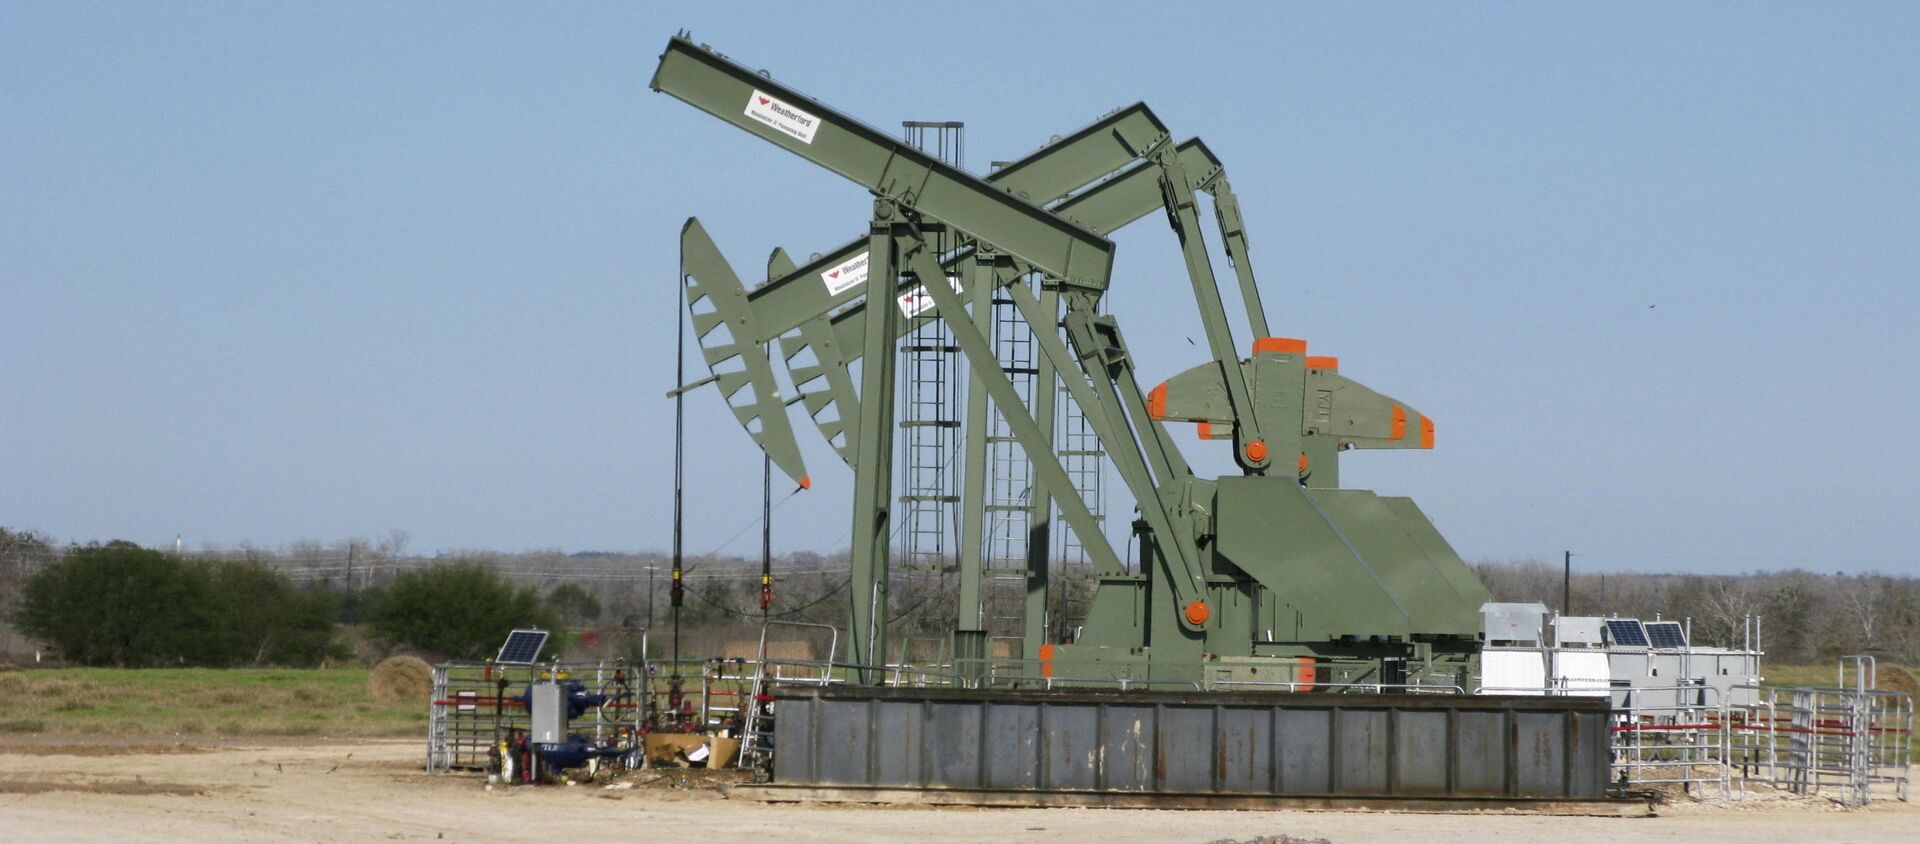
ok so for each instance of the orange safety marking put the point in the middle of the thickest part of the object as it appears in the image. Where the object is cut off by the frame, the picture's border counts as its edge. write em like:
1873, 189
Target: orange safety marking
1257, 451
1157, 402
806, 482
1206, 430
1305, 671
1303, 464
1399, 427
1426, 431
1046, 659
1282, 345
1323, 362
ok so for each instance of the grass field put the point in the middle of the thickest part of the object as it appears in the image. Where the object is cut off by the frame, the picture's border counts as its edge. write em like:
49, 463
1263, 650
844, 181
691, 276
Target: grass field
1801, 675
204, 702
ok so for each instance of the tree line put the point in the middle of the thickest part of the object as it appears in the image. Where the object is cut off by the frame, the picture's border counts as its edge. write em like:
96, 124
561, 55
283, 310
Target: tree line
119, 604
1806, 617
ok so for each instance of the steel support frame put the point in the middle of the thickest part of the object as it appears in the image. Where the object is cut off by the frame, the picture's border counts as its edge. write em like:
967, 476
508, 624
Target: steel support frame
1045, 398
889, 236
970, 625
1182, 215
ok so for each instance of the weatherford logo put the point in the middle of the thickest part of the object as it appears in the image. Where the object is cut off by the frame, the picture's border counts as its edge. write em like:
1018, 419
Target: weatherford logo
782, 117
918, 301
849, 274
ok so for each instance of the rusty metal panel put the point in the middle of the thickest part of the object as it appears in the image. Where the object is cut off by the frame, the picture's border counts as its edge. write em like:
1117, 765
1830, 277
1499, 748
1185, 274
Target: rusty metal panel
1127, 738
1421, 743
1191, 743
954, 760
1070, 744
1304, 737
1243, 750
1011, 752
1362, 739
1479, 755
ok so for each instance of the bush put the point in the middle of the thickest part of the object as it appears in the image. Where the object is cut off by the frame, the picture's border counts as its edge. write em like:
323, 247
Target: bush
272, 622
122, 605
574, 604
456, 610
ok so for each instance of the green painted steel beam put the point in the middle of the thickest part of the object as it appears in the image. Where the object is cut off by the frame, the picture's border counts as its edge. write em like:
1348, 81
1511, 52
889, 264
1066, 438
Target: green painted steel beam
873, 486
1040, 499
1057, 169
890, 168
1060, 167
1178, 187
973, 465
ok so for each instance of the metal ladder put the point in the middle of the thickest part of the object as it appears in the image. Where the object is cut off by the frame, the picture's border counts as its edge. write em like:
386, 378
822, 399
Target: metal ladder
1009, 482
931, 373
1083, 458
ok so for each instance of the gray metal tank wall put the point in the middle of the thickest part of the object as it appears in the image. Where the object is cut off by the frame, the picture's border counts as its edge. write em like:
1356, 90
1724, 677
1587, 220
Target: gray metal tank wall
1260, 744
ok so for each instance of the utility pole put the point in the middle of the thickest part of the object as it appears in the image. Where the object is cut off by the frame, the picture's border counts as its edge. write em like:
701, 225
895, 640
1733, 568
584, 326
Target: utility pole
675, 591
1566, 585
766, 538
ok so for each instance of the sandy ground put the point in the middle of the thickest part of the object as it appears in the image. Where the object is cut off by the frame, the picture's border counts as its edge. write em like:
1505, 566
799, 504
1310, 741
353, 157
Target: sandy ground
52, 790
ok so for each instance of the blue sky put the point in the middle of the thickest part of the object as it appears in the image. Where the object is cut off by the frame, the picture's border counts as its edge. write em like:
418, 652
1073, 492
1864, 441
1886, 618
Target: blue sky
276, 271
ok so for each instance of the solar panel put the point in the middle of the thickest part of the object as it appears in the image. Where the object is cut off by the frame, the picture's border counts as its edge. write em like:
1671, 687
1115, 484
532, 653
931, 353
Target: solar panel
1626, 632
522, 646
1666, 634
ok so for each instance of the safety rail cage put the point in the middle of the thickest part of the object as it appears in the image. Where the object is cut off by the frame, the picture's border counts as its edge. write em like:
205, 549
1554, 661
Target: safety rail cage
1673, 735
469, 711
1849, 745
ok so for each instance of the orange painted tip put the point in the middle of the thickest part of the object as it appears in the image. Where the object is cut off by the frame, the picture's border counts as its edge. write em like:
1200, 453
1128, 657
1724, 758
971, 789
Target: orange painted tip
1206, 430
1323, 362
806, 482
1257, 451
1303, 463
1283, 345
1399, 427
1157, 402
1426, 431
1198, 613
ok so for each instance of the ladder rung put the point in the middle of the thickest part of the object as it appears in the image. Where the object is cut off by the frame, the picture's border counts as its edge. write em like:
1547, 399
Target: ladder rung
930, 423
941, 498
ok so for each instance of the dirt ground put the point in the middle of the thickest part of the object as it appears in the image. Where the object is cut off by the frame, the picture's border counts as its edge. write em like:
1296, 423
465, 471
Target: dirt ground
55, 789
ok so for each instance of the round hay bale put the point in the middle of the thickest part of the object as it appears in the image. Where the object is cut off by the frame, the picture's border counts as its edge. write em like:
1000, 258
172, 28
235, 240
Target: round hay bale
1894, 678
401, 679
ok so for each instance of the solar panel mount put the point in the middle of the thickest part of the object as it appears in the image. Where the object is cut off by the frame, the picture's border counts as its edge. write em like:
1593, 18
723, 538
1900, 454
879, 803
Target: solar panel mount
522, 646
1667, 634
1626, 632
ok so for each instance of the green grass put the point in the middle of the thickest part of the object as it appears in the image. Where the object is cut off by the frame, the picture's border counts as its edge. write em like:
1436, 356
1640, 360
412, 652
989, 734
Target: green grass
1802, 675
204, 702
